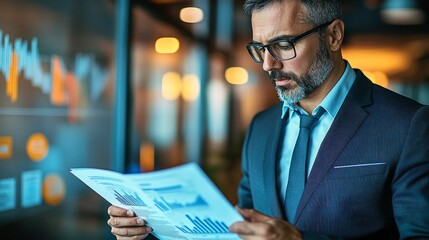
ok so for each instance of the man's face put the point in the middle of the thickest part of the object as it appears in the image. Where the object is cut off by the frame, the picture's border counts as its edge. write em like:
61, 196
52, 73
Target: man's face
296, 78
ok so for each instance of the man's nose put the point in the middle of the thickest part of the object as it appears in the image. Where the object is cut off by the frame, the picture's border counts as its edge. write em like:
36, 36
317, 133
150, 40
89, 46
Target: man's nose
270, 62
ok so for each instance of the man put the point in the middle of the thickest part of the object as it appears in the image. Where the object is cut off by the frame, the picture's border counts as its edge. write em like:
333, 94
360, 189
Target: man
363, 172
368, 156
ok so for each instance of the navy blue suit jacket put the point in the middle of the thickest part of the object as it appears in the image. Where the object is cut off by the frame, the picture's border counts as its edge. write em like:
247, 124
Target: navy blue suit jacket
370, 179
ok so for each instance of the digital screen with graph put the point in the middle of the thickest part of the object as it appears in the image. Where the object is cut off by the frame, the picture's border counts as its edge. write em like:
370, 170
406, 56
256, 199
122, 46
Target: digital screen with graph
56, 99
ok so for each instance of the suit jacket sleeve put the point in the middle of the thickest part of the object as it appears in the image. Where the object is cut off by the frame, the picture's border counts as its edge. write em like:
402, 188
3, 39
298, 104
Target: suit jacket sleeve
244, 193
410, 186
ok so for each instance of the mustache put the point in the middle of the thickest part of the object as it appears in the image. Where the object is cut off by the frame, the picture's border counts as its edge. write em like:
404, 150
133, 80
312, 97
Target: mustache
276, 74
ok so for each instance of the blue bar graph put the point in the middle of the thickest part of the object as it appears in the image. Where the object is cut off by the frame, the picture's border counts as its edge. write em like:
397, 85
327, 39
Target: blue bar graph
165, 206
129, 200
203, 226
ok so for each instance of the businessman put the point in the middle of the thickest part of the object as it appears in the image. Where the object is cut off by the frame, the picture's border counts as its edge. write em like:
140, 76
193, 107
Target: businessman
364, 170
339, 157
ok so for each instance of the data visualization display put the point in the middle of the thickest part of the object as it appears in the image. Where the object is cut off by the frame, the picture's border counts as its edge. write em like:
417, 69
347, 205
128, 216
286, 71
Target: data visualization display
56, 100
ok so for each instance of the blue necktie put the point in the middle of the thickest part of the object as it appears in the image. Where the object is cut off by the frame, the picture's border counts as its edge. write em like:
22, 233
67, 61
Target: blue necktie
298, 166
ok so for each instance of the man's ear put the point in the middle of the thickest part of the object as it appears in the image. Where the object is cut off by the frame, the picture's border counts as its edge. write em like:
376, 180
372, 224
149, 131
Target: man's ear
335, 35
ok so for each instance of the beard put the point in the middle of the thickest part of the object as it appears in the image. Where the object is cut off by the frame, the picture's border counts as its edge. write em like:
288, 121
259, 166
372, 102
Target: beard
307, 84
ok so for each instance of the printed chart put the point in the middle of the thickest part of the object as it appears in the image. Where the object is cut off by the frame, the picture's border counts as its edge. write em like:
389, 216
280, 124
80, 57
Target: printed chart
203, 226
178, 203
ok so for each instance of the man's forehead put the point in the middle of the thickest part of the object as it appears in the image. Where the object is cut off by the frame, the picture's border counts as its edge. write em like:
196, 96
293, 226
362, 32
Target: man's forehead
288, 12
277, 19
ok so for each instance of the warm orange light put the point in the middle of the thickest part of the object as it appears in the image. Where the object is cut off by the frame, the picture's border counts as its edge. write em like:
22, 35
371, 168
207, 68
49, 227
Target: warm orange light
381, 79
167, 45
378, 77
191, 15
385, 60
190, 87
147, 157
171, 85
236, 75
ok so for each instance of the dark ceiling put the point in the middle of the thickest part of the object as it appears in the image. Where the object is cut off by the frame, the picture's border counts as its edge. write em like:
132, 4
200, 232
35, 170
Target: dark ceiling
360, 16
364, 16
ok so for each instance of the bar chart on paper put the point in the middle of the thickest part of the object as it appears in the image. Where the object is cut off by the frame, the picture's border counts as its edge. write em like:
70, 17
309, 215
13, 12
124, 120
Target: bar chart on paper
203, 226
164, 205
179, 203
129, 199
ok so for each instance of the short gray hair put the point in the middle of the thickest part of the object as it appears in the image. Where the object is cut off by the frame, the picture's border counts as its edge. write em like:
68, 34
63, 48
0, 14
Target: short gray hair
319, 11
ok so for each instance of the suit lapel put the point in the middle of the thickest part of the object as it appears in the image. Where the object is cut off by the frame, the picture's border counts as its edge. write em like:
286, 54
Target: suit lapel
270, 165
346, 123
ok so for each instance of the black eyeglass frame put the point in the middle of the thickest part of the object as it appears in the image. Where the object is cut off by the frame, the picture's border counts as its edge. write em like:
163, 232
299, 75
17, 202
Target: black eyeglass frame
292, 41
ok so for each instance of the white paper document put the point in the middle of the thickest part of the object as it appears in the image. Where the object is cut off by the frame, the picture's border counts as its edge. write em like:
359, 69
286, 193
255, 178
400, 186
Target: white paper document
178, 203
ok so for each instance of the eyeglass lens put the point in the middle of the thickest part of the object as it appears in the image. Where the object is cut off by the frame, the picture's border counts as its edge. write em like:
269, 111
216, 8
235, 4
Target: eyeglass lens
280, 50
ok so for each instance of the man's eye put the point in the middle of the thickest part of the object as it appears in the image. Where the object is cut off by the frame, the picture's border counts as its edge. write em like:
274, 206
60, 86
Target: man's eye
261, 49
282, 46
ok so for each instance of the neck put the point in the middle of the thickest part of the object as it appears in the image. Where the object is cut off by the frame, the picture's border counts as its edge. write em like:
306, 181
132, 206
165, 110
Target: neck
310, 102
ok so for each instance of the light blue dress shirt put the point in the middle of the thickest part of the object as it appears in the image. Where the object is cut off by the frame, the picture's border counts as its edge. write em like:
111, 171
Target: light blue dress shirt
331, 103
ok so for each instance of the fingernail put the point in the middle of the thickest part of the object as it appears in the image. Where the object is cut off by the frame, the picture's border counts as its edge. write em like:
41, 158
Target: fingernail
140, 221
233, 227
130, 213
144, 236
149, 229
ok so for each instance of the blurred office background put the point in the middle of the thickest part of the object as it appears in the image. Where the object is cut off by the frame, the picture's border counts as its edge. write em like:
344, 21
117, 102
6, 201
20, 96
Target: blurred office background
140, 85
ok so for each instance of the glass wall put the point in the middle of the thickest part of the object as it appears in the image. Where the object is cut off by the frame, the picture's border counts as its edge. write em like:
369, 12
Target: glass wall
56, 109
168, 75
184, 109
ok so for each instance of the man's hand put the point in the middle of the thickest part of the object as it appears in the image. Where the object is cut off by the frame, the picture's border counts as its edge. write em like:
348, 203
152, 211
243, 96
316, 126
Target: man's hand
125, 225
260, 226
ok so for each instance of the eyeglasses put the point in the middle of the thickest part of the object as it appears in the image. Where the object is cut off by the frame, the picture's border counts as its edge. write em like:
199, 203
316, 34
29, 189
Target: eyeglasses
282, 49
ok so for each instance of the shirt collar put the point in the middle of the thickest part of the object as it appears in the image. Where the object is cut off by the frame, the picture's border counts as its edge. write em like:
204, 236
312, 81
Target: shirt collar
335, 98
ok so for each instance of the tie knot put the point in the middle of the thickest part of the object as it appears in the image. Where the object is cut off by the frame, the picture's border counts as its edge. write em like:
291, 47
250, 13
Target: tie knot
307, 121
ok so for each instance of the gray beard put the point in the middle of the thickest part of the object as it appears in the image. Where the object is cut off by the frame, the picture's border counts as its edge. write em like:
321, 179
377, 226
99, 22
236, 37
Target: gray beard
307, 84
